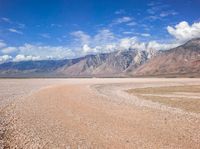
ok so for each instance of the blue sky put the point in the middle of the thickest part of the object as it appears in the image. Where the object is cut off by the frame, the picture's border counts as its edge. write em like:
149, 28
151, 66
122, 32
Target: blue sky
57, 29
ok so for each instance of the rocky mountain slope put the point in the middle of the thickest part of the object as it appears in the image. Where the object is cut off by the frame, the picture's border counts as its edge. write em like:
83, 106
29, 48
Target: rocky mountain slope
181, 61
106, 65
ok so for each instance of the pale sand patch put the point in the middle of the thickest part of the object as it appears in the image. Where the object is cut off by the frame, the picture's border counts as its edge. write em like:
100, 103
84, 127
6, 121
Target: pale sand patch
174, 96
168, 96
94, 113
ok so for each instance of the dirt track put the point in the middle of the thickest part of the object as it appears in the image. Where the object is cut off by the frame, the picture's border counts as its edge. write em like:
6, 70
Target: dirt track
92, 113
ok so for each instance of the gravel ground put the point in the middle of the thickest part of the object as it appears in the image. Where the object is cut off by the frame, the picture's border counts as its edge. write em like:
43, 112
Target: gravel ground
92, 113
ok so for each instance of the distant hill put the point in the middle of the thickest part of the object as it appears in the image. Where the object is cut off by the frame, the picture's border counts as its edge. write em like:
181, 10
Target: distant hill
183, 61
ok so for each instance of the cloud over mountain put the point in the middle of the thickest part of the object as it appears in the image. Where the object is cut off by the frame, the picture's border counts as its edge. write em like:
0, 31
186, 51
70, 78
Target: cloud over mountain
5, 58
8, 50
183, 31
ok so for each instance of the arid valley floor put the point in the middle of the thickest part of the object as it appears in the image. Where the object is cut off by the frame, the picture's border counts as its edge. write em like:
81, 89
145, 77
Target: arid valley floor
100, 113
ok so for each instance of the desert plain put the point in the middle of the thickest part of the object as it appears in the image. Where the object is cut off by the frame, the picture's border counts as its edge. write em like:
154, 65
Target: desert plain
100, 113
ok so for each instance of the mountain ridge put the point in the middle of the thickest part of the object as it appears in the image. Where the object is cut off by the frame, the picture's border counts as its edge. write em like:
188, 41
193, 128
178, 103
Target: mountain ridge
183, 60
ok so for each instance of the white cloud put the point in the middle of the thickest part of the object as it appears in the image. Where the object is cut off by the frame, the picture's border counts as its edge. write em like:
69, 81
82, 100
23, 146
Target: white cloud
55, 52
153, 3
39, 52
168, 13
156, 8
183, 31
8, 50
158, 11
2, 44
131, 23
145, 35
21, 25
87, 44
87, 49
103, 36
56, 25
134, 43
127, 32
97, 49
45, 35
15, 31
124, 19
6, 20
106, 41
160, 46
21, 57
126, 43
100, 43
160, 15
81, 37
121, 11
5, 58
153, 17
109, 47
138, 45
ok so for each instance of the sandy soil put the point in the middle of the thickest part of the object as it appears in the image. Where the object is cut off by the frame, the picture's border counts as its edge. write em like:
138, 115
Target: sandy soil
186, 97
92, 113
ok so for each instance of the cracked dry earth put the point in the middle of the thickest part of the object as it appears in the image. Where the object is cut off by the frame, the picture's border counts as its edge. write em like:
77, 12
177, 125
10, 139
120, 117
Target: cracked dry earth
92, 113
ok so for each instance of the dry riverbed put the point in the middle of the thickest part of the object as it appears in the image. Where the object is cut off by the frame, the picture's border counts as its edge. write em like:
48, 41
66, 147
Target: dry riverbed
99, 113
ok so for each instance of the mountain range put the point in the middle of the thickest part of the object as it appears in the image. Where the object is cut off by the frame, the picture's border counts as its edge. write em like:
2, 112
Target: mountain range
182, 61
